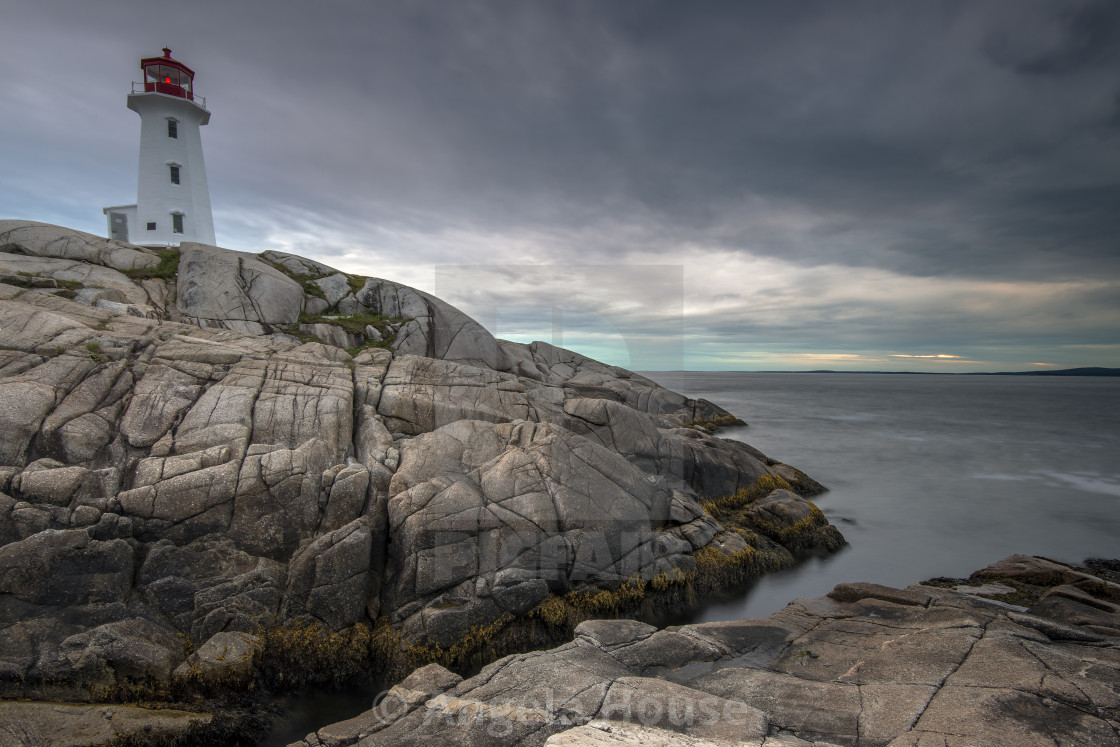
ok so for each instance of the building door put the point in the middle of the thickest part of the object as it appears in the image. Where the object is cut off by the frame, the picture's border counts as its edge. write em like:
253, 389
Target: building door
118, 223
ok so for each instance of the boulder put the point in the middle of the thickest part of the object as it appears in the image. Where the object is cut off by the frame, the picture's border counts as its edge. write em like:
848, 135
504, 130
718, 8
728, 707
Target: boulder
225, 660
349, 305
315, 306
219, 284
434, 328
334, 287
46, 240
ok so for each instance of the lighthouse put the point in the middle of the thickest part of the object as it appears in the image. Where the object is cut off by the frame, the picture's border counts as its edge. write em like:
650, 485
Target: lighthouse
172, 199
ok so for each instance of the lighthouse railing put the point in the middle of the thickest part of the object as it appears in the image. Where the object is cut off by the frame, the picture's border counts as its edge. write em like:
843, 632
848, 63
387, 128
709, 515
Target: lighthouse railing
170, 90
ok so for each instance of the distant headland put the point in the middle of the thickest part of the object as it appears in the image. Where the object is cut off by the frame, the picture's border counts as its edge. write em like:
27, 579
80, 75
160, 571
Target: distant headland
1085, 371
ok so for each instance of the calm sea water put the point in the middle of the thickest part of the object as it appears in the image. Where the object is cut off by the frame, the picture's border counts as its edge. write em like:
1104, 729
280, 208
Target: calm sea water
930, 475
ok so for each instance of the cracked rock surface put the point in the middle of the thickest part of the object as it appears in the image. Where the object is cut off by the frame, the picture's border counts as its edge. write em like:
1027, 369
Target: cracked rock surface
865, 665
182, 458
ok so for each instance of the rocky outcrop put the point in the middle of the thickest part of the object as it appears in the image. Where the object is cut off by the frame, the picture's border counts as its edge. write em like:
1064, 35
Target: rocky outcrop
234, 443
865, 665
489, 519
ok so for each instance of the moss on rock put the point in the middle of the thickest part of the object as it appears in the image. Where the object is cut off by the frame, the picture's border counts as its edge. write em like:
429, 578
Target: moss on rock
167, 268
713, 425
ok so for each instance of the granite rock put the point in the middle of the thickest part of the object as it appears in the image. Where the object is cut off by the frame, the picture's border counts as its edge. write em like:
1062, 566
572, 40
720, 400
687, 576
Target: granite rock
175, 463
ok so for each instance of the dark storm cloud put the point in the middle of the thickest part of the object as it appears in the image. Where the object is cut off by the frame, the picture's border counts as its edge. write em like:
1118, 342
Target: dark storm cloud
1084, 36
504, 114
891, 124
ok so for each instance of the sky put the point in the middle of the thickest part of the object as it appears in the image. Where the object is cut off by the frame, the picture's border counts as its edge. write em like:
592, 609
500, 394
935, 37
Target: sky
741, 185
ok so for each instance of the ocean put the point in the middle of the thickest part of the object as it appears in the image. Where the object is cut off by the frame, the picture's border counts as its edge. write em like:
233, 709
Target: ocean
928, 475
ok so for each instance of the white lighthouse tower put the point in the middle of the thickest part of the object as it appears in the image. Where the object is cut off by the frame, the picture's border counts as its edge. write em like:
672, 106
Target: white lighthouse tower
172, 199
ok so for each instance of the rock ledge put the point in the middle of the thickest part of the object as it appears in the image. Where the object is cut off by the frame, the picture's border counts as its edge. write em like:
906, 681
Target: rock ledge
865, 665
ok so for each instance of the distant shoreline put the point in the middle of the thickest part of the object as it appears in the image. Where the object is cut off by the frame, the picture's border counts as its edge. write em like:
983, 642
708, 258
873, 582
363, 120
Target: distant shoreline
1090, 371
1093, 371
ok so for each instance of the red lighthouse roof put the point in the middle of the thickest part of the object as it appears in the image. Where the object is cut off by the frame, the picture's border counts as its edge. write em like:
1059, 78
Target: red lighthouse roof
167, 75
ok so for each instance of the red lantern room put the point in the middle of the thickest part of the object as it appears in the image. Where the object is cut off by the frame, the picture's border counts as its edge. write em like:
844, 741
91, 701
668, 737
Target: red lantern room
167, 75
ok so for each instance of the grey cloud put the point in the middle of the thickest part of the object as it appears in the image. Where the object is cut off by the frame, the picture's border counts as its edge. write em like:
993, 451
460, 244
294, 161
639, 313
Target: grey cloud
945, 139
1085, 35
494, 116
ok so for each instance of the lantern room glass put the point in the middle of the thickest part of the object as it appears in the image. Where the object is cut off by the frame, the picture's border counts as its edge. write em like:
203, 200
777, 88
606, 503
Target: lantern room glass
167, 79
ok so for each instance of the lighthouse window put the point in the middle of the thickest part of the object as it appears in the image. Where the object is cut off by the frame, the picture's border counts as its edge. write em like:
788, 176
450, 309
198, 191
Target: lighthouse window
174, 174
173, 129
176, 223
